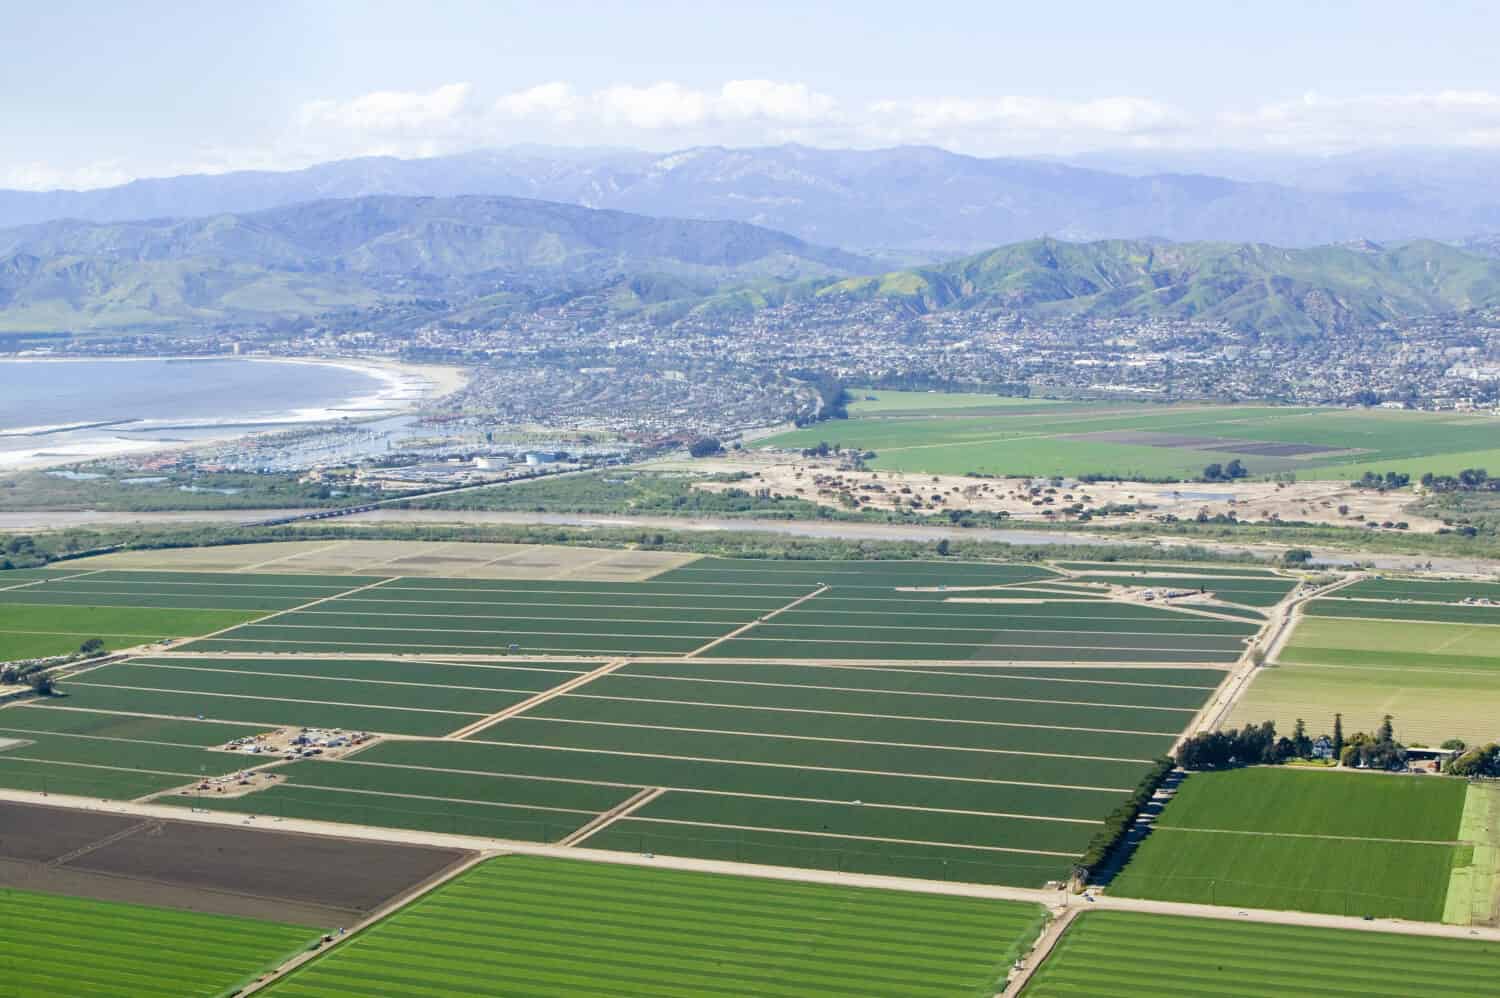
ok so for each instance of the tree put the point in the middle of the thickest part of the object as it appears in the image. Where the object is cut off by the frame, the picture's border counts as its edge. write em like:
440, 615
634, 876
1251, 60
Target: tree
1386, 733
1296, 556
943, 547
42, 684
1338, 736
92, 647
705, 447
1301, 744
1213, 472
1235, 469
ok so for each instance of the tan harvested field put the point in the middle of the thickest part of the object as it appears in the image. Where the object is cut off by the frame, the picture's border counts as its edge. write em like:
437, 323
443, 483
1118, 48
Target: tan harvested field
451, 560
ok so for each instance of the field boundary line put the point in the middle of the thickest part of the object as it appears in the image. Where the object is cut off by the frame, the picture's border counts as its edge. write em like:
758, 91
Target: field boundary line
391, 907
108, 840
287, 557
329, 679
621, 810
61, 578
917, 668
540, 698
250, 696
758, 620
1156, 828
293, 609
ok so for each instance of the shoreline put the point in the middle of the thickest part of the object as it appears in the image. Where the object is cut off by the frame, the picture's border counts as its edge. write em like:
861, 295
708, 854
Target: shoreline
402, 387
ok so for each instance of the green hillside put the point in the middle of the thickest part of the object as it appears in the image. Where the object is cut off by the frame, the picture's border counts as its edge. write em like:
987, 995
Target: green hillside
1249, 286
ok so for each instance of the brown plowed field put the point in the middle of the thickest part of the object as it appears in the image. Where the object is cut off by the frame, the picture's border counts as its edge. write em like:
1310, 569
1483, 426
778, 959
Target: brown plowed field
262, 873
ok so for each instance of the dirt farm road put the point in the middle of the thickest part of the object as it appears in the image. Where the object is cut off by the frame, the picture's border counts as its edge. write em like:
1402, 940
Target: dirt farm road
1056, 900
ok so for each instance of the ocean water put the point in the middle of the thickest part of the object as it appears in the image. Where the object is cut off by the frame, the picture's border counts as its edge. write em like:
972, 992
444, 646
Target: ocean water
84, 408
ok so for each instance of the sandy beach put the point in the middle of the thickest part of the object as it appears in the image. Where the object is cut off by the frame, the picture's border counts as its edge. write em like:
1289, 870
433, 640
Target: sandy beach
398, 388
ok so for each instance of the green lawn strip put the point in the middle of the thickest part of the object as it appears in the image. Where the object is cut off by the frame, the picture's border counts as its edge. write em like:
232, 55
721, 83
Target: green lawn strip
670, 933
124, 754
1405, 666
18, 645
1168, 956
514, 674
388, 599
851, 855
873, 821
864, 574
358, 774
907, 677
583, 621
1181, 630
138, 625
1361, 805
204, 676
96, 948
998, 683
738, 777
269, 637
1420, 589
84, 780
1208, 569
989, 651
549, 591
267, 711
1341, 877
794, 751
1030, 710
446, 816
1017, 738
1453, 613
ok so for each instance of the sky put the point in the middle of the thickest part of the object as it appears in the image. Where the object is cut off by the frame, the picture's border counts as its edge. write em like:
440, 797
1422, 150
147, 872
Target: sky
98, 93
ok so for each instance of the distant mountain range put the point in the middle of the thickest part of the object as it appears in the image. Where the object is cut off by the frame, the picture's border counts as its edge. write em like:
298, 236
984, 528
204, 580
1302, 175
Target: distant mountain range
480, 259
911, 204
358, 253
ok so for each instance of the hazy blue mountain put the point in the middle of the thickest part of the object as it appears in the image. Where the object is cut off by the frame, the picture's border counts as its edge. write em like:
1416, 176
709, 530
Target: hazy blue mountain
910, 200
359, 252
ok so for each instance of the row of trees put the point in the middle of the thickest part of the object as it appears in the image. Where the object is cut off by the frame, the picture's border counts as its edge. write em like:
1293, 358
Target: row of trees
1217, 472
1259, 745
1468, 480
1382, 483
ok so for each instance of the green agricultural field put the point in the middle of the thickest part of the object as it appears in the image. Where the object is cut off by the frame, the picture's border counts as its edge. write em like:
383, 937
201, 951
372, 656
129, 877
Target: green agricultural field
1405, 645
1149, 440
132, 951
548, 926
1439, 613
1105, 954
1311, 802
36, 631
1342, 843
84, 753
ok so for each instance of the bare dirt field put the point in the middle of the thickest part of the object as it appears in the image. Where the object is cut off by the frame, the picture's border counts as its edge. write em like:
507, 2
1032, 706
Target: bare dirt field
253, 872
827, 483
449, 560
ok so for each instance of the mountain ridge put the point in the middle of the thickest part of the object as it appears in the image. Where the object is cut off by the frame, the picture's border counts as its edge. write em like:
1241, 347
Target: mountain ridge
907, 199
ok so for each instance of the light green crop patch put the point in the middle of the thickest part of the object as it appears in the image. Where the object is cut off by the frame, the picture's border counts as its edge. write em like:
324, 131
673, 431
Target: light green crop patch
1474, 888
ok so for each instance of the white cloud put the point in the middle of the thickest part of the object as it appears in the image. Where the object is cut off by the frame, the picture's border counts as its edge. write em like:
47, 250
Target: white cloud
386, 110
1318, 123
667, 115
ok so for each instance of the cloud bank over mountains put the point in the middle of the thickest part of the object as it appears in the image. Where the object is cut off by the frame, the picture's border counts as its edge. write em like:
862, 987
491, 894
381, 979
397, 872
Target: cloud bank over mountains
662, 115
